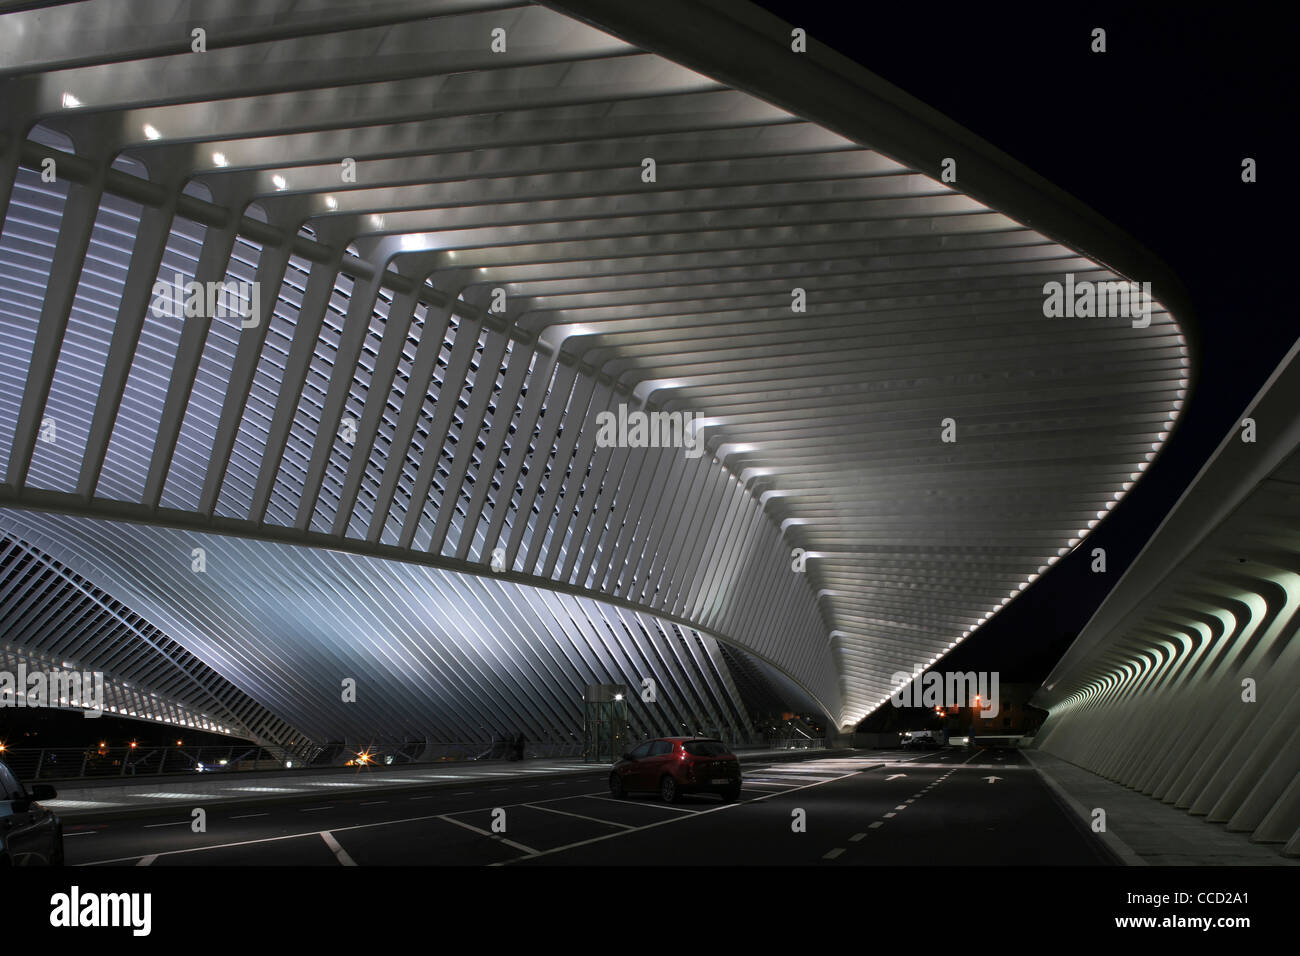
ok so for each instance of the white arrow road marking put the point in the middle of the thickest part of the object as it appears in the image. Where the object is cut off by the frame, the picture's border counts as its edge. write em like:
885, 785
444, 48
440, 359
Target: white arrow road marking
991, 779
895, 776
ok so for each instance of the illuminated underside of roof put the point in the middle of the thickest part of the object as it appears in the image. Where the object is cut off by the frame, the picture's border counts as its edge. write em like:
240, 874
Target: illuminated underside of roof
794, 273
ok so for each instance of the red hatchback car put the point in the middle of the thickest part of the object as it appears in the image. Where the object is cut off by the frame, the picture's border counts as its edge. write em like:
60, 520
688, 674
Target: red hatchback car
676, 765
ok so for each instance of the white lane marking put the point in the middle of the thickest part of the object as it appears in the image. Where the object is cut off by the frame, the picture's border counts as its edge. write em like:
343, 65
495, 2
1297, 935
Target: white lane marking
429, 797
274, 839
246, 816
663, 823
878, 823
642, 803
833, 853
573, 796
851, 773
856, 837
580, 816
370, 803
888, 815
383, 823
153, 826
487, 833
81, 833
147, 860
902, 806
340, 853
313, 809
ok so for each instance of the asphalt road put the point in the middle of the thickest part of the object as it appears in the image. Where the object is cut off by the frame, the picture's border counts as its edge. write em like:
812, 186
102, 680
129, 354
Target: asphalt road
918, 809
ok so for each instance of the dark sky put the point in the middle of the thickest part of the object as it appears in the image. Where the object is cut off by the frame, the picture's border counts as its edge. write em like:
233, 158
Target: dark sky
1150, 134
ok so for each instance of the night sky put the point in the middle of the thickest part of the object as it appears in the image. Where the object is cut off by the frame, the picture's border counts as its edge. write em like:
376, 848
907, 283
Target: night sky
1151, 135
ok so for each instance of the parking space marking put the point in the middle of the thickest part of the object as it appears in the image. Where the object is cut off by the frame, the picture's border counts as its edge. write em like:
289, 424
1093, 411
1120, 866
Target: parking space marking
580, 816
642, 803
762, 787
490, 835
340, 854
667, 822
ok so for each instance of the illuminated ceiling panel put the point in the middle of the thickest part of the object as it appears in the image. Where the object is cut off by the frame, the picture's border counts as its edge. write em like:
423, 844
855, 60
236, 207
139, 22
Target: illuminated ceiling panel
474, 227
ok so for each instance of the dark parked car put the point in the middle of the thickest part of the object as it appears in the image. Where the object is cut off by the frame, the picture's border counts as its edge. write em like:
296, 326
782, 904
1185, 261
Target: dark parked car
672, 766
29, 833
923, 742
